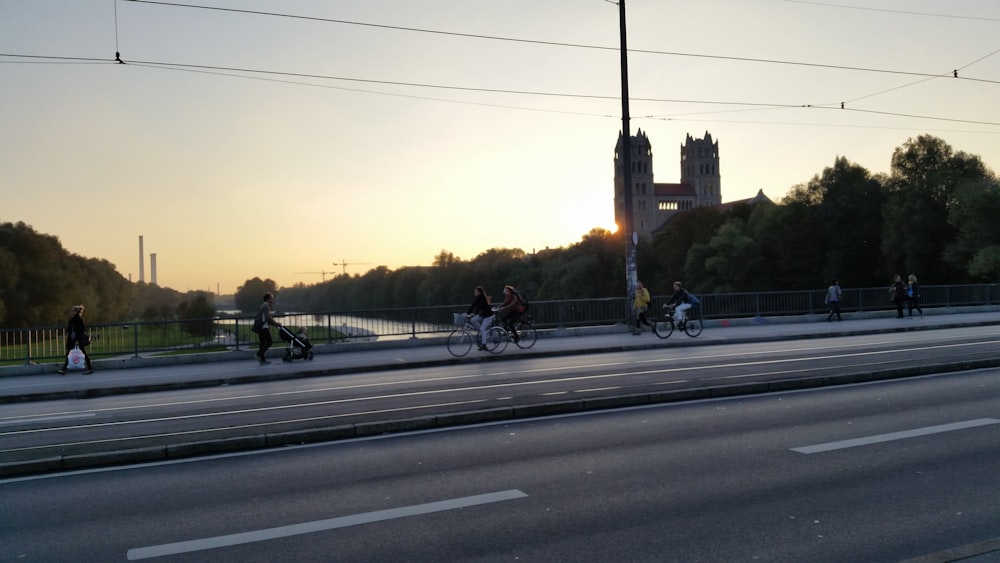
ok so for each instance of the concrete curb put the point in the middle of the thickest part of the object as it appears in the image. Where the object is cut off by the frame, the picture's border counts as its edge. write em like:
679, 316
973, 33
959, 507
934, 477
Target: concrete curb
267, 440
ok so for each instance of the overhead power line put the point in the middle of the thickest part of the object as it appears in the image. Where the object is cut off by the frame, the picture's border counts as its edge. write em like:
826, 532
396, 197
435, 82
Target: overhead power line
206, 68
905, 12
548, 43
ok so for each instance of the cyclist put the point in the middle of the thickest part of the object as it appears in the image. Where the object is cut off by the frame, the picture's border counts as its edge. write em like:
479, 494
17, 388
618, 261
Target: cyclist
481, 313
681, 302
511, 310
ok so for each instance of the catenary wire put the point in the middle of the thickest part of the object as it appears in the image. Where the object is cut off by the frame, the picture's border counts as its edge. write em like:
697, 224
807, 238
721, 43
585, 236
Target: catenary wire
549, 43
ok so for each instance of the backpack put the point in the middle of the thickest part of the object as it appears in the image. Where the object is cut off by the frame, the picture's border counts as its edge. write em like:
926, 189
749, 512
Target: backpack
693, 300
521, 298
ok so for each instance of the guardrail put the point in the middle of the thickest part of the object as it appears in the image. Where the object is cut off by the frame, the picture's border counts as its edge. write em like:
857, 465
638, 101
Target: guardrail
41, 344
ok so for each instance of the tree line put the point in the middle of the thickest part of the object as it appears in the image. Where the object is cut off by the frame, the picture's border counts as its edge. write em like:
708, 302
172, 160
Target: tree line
40, 282
933, 215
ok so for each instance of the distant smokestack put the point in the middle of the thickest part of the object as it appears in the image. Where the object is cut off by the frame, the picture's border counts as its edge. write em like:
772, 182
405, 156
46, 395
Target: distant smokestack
142, 262
152, 267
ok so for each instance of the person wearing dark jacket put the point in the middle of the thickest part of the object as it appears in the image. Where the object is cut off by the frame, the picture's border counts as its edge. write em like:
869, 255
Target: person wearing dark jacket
76, 335
913, 295
897, 293
481, 313
262, 325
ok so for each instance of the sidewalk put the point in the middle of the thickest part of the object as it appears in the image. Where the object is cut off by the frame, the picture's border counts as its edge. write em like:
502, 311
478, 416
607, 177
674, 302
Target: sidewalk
138, 375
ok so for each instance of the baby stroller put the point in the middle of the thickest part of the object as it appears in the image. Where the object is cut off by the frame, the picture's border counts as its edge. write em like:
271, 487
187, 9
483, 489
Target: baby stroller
298, 348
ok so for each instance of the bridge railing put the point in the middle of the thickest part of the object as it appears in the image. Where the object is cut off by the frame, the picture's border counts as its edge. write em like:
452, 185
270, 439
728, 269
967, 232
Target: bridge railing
233, 332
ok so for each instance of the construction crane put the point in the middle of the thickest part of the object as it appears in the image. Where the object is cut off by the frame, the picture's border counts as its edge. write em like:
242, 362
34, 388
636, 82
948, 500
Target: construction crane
324, 273
345, 264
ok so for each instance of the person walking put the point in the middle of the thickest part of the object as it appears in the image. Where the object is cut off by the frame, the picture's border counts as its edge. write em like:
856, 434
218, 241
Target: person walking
913, 295
833, 295
481, 314
897, 293
641, 305
76, 336
262, 326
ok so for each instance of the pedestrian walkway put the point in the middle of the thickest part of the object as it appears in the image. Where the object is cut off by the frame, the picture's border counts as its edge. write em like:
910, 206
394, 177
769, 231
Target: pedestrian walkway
137, 375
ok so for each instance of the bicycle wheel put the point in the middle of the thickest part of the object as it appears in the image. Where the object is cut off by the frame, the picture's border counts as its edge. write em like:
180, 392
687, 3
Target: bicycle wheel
693, 326
663, 327
526, 335
496, 339
460, 341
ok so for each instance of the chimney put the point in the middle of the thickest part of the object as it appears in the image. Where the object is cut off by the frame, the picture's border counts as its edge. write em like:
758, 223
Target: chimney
152, 267
142, 262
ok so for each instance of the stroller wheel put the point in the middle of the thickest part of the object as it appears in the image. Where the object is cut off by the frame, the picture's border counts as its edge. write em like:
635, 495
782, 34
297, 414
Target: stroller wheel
310, 355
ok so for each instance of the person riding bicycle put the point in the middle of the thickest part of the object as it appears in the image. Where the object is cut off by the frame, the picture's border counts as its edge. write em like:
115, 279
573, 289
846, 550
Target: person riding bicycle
511, 310
481, 313
681, 302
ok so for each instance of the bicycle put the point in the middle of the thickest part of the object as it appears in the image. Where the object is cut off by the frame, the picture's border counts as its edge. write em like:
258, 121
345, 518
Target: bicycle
461, 339
692, 323
523, 333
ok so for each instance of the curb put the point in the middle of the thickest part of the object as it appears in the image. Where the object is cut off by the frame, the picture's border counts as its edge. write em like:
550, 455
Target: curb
266, 440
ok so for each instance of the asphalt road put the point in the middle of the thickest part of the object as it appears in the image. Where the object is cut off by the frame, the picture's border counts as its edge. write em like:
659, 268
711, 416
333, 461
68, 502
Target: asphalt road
277, 411
887, 471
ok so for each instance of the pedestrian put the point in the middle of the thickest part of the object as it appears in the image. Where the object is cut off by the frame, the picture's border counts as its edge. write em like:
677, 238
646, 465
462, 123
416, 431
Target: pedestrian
897, 294
681, 302
833, 295
913, 295
481, 314
262, 326
76, 336
641, 305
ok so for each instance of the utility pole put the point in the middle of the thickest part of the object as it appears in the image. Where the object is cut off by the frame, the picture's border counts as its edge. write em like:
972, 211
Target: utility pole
628, 229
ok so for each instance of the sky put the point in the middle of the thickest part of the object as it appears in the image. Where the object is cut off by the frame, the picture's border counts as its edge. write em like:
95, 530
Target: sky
296, 140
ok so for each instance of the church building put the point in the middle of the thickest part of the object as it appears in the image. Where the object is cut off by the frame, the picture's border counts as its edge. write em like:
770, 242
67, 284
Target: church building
653, 204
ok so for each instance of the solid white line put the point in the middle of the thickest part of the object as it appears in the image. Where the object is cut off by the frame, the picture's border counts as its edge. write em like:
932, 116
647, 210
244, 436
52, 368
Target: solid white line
43, 418
844, 444
319, 525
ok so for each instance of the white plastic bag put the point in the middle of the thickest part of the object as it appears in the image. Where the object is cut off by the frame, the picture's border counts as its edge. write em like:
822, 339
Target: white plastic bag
75, 359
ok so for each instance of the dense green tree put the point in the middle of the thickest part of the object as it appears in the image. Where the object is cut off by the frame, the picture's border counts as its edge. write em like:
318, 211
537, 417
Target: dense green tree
973, 214
849, 204
925, 174
248, 296
200, 311
725, 263
667, 261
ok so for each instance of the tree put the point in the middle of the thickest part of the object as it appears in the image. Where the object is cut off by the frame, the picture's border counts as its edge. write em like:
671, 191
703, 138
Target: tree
249, 295
848, 203
925, 174
973, 214
667, 261
726, 262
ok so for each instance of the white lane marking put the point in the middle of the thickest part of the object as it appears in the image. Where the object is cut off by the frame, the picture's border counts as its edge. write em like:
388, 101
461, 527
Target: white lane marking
927, 430
43, 418
413, 394
319, 525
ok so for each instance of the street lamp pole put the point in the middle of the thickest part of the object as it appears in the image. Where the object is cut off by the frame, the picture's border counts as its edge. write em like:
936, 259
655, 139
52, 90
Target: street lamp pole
628, 228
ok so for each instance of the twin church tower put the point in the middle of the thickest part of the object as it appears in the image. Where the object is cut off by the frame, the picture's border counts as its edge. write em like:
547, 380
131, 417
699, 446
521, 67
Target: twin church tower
653, 204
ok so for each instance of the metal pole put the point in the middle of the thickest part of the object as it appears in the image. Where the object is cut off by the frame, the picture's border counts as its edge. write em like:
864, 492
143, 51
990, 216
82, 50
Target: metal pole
628, 229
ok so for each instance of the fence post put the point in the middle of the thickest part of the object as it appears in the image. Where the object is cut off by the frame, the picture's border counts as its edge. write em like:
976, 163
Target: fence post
27, 360
135, 339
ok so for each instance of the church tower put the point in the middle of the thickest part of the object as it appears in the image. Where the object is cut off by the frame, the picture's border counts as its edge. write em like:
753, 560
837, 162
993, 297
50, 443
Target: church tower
643, 199
700, 169
654, 205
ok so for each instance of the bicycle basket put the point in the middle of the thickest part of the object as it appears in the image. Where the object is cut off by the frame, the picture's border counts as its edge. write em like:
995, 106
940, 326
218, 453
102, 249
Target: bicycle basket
458, 319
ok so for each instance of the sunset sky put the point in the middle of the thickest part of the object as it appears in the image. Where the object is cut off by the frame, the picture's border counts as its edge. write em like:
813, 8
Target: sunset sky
262, 138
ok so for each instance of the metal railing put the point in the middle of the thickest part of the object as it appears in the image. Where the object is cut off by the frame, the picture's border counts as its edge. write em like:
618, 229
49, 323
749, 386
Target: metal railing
233, 333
